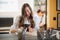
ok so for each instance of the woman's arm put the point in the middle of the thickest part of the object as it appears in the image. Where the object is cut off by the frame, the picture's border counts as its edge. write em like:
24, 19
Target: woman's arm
14, 27
43, 21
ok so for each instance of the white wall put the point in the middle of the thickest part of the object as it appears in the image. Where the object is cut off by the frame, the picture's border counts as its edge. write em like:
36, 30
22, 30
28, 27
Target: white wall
14, 14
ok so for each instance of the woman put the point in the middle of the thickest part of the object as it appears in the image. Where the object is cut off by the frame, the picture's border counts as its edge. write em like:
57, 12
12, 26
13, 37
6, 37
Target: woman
39, 19
25, 22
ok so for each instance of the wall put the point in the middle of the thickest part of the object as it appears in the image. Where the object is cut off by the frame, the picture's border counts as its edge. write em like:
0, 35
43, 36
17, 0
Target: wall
51, 12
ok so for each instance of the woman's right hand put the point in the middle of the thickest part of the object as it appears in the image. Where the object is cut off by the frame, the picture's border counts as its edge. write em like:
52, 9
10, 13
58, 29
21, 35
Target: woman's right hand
13, 31
16, 30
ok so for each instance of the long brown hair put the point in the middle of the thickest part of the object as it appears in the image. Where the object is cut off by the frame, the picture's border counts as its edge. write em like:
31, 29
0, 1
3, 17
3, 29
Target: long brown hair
21, 22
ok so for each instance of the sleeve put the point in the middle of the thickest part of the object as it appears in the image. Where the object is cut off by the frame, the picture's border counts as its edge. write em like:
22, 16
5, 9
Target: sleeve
35, 17
15, 24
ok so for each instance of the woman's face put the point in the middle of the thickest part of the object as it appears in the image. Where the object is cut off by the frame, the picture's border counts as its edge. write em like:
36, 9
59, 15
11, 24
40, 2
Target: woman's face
28, 11
40, 14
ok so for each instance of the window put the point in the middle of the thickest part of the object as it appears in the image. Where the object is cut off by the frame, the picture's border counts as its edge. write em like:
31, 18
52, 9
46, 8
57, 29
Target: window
40, 4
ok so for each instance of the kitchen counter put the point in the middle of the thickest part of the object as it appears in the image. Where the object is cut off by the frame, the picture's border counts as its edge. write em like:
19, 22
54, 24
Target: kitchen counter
8, 37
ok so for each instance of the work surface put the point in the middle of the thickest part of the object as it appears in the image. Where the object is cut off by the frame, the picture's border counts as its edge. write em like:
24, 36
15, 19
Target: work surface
15, 37
8, 37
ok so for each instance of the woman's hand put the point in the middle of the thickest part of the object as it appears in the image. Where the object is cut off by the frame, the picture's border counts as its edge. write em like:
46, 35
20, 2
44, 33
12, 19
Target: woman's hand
41, 24
21, 28
13, 31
